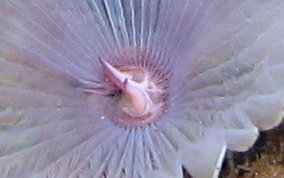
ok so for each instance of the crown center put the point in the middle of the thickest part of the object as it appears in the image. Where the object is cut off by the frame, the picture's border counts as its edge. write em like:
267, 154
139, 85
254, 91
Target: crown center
140, 96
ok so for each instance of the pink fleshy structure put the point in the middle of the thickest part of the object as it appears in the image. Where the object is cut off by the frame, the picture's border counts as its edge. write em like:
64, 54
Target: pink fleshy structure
136, 88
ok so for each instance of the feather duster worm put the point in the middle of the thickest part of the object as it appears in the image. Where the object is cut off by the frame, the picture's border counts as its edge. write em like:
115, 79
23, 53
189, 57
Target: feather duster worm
136, 88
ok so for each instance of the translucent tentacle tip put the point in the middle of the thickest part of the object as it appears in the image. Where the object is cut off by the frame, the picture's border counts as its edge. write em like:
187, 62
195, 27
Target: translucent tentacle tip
141, 98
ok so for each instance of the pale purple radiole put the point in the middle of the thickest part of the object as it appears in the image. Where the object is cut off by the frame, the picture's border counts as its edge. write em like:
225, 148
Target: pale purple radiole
136, 88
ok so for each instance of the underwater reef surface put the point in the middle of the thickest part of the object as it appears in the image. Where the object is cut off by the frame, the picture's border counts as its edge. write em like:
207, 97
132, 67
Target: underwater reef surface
264, 159
136, 88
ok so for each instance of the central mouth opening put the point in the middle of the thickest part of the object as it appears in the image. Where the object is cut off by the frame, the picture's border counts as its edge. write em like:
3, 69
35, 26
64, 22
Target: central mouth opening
141, 99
